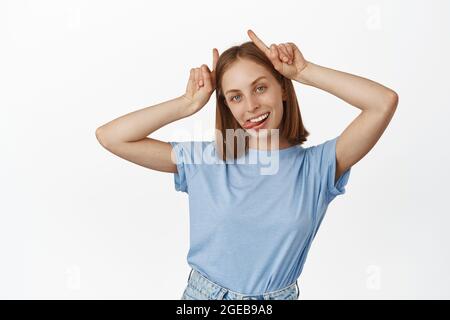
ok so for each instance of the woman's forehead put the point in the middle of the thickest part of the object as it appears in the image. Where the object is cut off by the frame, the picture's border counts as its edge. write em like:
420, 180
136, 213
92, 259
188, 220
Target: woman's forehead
244, 75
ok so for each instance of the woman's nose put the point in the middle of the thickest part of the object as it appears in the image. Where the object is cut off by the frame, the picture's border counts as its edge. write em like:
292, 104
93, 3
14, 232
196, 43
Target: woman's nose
252, 104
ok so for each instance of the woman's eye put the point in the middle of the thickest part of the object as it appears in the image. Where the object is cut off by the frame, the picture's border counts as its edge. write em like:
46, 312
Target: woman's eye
232, 98
260, 87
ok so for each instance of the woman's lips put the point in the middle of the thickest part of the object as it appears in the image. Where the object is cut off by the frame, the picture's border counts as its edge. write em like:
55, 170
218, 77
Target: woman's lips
257, 125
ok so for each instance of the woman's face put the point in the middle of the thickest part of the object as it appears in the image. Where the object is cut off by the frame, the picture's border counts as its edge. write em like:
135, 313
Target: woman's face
248, 99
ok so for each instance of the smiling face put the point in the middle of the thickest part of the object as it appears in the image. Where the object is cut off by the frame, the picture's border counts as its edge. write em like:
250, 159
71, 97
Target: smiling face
248, 99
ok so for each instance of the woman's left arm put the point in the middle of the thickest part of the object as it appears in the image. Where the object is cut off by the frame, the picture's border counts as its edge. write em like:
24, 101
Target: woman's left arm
377, 102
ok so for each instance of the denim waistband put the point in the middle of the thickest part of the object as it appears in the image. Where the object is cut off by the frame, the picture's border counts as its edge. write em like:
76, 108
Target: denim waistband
213, 290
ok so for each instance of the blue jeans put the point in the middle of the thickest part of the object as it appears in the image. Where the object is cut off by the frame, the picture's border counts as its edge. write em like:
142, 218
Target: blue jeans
201, 288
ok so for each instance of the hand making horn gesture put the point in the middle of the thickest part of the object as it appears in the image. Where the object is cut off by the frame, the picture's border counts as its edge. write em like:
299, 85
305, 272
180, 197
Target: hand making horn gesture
286, 57
201, 84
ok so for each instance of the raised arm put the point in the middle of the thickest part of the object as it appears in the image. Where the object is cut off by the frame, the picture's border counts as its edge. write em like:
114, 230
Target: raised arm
377, 102
127, 138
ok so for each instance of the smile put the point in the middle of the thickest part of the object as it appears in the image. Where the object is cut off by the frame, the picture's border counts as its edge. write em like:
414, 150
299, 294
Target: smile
258, 122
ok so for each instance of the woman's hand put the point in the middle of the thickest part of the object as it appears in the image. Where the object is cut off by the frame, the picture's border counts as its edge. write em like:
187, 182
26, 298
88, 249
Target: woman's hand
201, 84
286, 57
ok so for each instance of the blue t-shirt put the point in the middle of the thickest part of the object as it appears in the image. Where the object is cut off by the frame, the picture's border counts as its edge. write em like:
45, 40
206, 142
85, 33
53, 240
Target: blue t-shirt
252, 221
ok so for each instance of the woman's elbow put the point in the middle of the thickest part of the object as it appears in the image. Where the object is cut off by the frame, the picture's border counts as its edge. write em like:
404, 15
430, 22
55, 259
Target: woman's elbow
391, 102
100, 135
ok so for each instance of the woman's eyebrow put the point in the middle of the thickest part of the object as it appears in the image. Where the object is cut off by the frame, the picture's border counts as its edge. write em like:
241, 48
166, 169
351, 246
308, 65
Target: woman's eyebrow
254, 81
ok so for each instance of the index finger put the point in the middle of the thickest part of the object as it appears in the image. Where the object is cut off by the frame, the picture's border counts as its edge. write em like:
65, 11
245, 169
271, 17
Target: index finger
215, 58
261, 45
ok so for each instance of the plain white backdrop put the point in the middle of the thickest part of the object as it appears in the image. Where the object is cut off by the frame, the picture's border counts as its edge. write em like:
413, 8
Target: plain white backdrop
77, 222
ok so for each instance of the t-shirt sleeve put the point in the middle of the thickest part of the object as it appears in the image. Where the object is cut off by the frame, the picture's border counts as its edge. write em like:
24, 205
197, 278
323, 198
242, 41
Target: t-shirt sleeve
183, 152
324, 158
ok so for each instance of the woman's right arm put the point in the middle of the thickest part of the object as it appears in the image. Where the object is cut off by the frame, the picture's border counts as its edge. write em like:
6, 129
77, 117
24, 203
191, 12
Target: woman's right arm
127, 138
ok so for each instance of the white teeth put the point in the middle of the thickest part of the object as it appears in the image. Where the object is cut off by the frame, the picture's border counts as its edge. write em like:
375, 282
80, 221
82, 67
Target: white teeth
260, 118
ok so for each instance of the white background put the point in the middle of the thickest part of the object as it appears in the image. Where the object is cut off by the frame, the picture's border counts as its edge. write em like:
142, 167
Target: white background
77, 222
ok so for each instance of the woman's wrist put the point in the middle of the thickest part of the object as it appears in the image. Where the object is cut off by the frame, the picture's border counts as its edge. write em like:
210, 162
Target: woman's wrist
304, 75
185, 107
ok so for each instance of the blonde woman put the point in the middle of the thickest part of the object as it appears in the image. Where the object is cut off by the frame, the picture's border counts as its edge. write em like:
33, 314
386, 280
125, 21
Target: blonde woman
250, 230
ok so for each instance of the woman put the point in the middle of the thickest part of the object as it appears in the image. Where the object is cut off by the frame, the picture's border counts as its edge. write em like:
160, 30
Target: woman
250, 229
